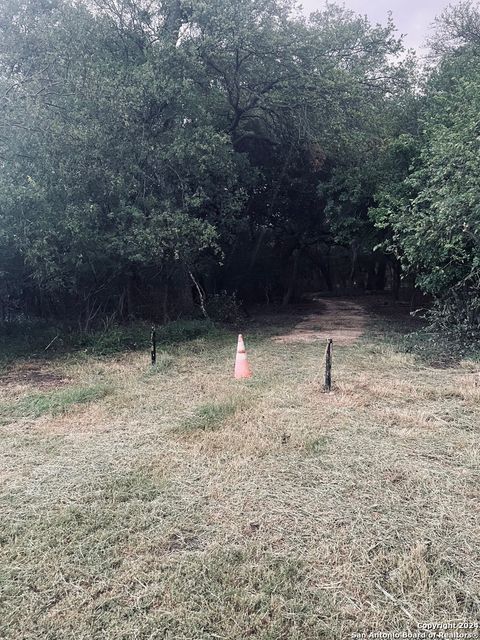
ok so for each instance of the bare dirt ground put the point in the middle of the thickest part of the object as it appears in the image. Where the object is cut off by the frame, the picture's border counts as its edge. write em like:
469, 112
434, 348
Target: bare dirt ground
32, 374
338, 318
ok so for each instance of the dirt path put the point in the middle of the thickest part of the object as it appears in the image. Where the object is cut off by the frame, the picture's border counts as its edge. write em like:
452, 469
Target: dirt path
338, 318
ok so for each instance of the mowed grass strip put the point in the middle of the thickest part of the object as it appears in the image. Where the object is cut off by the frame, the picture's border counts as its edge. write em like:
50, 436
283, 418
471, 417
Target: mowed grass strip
52, 403
215, 508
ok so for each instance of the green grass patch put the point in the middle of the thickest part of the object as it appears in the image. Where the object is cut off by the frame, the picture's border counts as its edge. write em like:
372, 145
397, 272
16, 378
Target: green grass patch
134, 486
117, 339
164, 362
136, 337
212, 415
317, 445
257, 594
53, 402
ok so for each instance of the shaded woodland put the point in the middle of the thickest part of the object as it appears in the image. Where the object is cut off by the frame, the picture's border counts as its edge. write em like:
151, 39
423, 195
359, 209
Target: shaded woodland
188, 157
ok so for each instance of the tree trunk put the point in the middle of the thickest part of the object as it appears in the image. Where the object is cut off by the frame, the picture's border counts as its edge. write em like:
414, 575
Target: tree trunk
128, 311
165, 315
293, 278
185, 300
371, 275
326, 271
397, 279
381, 274
256, 250
201, 294
354, 258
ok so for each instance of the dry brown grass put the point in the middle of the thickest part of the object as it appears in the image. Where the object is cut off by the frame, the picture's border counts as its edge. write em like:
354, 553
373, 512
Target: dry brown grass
186, 504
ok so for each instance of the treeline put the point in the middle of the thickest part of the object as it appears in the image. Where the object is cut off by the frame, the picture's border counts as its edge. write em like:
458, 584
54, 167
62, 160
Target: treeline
155, 155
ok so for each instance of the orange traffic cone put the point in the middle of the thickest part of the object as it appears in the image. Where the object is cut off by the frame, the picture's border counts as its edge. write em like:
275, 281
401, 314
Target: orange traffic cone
242, 370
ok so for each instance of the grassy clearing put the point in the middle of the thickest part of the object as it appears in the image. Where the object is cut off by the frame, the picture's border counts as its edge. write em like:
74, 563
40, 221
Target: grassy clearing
189, 505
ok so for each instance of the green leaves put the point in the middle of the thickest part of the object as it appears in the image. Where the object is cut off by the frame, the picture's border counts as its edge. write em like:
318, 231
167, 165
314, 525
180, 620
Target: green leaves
433, 209
140, 142
113, 161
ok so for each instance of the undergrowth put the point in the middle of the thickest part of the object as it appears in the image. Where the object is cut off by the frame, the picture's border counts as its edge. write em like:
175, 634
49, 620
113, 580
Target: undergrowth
429, 346
37, 340
439, 350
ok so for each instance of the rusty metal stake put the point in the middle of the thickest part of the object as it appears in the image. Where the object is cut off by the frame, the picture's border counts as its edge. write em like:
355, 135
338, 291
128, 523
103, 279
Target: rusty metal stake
328, 365
153, 340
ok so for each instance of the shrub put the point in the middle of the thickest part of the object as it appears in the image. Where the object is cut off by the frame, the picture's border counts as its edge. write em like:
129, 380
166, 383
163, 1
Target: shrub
225, 307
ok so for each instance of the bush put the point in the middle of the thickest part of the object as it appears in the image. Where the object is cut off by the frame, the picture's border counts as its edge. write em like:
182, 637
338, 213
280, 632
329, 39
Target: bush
457, 315
28, 338
115, 339
184, 330
225, 307
436, 349
24, 339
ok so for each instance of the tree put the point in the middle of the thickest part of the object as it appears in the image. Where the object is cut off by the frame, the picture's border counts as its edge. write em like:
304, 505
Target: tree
151, 151
434, 212
111, 165
306, 102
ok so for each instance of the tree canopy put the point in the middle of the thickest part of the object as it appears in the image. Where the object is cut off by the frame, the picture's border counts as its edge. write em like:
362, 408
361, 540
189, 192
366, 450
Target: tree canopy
431, 205
157, 152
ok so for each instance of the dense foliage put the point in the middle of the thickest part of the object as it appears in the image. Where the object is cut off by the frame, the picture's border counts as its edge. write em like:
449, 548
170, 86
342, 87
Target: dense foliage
432, 202
155, 155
